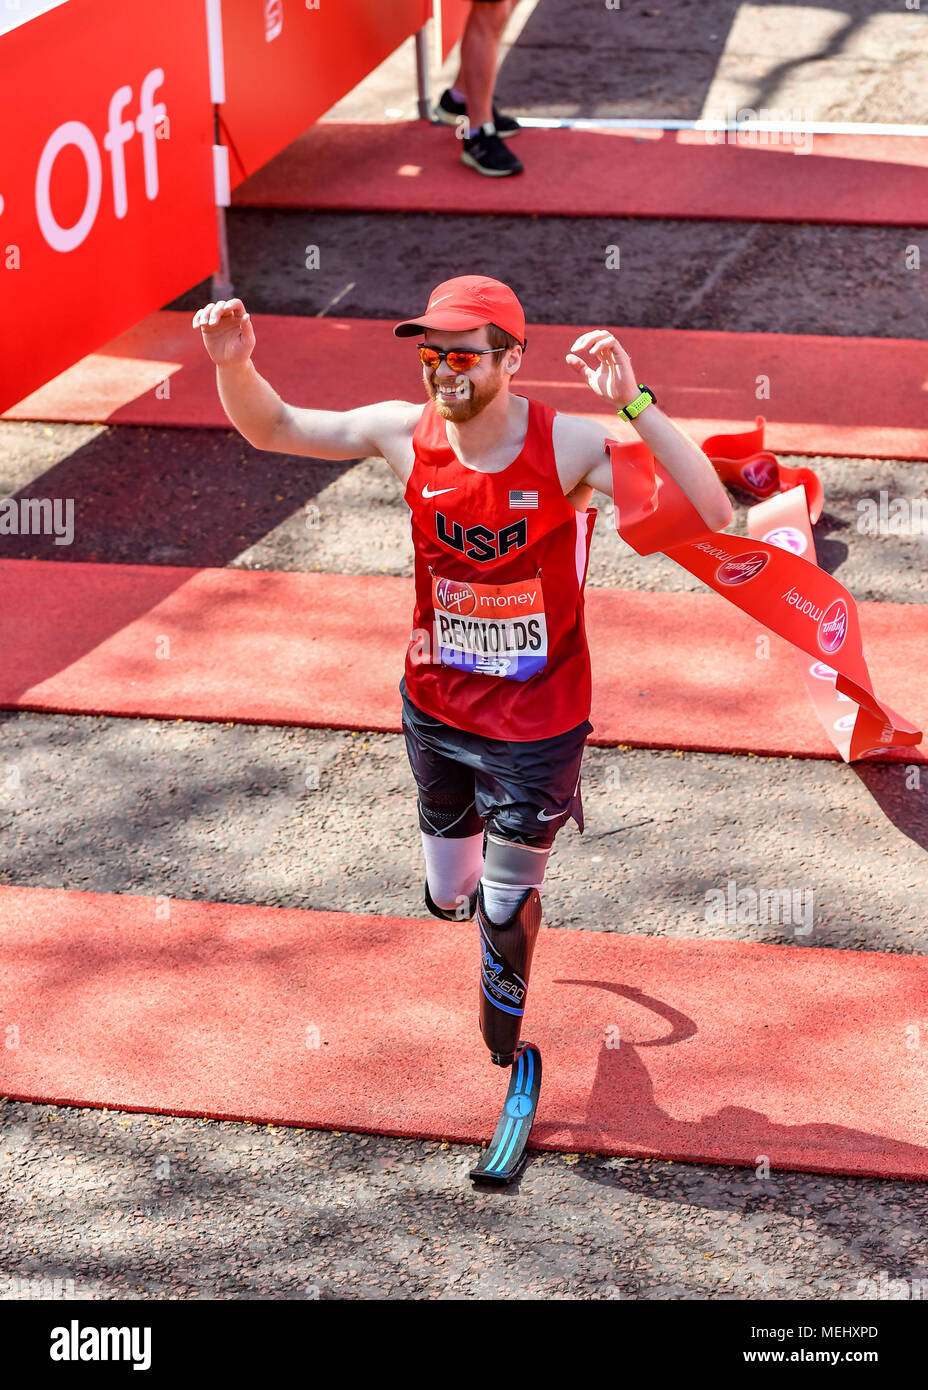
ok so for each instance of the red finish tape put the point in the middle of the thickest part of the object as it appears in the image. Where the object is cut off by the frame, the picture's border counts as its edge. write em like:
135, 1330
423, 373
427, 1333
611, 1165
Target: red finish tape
772, 574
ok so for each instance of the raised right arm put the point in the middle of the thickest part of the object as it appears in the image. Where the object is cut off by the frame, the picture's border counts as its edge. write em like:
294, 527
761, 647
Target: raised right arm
267, 422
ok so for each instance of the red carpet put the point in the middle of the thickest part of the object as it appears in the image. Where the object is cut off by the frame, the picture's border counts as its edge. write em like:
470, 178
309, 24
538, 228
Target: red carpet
728, 1052
669, 670
416, 167
706, 380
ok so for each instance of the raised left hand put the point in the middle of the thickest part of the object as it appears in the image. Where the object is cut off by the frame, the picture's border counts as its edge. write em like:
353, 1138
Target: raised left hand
614, 379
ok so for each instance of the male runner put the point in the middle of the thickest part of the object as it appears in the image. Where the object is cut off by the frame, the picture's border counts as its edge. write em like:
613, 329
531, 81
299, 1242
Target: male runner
496, 691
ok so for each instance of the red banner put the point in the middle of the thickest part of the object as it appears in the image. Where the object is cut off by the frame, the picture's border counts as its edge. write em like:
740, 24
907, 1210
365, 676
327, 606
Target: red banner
768, 579
287, 63
106, 183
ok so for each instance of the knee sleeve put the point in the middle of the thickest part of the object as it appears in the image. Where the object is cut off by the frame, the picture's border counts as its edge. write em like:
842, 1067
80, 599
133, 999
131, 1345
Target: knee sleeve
451, 819
511, 865
509, 870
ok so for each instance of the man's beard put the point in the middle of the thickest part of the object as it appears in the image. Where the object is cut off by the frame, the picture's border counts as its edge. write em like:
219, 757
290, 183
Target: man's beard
465, 407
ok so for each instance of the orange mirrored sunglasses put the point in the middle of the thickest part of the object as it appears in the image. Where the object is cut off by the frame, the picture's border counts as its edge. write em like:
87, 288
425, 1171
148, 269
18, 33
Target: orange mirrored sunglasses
458, 359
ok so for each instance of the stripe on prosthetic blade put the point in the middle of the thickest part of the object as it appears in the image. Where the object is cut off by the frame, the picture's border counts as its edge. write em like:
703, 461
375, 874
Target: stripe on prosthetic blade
511, 1132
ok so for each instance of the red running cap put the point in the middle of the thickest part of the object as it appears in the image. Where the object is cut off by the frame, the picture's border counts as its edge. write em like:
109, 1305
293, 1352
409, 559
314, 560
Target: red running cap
468, 301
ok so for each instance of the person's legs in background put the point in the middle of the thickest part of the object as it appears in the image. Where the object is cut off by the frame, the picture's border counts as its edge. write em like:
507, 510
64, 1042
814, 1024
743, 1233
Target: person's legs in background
480, 58
471, 98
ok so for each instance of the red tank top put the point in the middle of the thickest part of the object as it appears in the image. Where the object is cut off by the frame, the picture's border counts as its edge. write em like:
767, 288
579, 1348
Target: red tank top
498, 645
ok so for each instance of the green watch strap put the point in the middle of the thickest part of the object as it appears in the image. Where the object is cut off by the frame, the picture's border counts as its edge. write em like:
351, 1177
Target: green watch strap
641, 401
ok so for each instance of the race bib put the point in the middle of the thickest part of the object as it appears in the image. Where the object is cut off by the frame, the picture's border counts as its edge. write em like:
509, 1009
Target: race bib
490, 629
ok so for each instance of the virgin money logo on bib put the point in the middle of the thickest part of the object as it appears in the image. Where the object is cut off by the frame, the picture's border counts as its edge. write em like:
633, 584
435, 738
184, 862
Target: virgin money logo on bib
490, 629
742, 567
787, 538
832, 630
455, 596
760, 473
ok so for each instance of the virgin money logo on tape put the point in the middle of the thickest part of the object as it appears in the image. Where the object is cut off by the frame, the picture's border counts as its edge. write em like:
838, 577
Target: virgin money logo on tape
741, 568
822, 672
760, 473
832, 630
787, 538
805, 605
455, 596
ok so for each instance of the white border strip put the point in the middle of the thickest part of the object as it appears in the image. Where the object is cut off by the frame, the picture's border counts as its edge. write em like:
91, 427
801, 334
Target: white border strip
221, 186
13, 13
436, 32
217, 69
670, 123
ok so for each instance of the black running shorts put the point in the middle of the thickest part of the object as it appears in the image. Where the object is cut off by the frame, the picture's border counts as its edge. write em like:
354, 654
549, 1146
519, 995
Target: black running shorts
523, 791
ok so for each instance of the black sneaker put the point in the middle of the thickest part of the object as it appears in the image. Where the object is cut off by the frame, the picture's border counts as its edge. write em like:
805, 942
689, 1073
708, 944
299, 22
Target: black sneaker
450, 112
488, 155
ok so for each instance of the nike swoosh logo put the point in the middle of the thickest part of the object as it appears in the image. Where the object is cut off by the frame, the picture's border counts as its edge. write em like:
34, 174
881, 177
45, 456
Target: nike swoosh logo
426, 492
438, 301
543, 815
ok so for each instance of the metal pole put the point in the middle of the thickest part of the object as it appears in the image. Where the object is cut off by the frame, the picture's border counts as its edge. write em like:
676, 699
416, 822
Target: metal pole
222, 287
422, 71
221, 281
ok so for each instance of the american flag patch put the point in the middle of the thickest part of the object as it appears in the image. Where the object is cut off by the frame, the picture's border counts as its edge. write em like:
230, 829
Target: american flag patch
523, 499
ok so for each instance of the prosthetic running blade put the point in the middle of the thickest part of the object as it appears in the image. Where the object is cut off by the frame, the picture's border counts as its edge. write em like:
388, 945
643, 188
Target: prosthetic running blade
504, 1159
